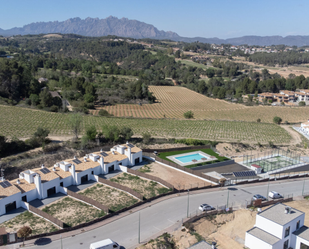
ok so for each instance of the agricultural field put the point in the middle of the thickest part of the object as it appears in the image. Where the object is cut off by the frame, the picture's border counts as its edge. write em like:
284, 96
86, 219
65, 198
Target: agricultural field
173, 102
23, 122
72, 212
36, 223
112, 198
145, 187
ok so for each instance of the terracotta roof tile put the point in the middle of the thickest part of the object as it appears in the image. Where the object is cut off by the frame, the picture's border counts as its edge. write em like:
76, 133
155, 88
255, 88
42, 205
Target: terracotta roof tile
82, 166
24, 186
11, 190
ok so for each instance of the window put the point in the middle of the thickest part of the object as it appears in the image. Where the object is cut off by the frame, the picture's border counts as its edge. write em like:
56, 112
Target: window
286, 244
92, 172
297, 224
61, 184
287, 232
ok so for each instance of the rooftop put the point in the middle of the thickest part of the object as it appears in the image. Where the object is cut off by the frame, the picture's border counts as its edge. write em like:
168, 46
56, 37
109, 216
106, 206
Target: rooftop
81, 165
276, 213
303, 233
201, 245
262, 235
9, 190
61, 173
112, 157
23, 186
46, 174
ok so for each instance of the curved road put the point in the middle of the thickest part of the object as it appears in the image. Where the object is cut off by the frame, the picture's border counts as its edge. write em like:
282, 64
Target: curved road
157, 217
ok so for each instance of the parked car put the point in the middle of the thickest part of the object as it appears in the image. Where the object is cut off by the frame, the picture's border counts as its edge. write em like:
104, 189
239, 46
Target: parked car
274, 195
258, 197
105, 244
205, 207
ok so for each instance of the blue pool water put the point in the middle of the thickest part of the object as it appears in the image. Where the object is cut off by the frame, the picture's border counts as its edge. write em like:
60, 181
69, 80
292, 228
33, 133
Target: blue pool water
189, 158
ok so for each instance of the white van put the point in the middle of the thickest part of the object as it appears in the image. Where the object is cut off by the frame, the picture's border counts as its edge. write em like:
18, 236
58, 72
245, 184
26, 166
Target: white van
274, 195
105, 244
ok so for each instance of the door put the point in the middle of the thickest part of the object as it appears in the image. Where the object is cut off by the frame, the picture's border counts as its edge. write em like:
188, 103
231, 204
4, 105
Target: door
24, 198
51, 191
84, 178
136, 160
111, 168
11, 206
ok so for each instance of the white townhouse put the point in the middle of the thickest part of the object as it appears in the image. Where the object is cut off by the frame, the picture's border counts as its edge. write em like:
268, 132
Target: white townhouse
43, 182
305, 127
278, 227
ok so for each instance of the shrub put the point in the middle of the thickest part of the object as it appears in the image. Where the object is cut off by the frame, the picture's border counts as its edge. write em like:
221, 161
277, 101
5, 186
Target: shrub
188, 114
146, 137
258, 120
104, 113
277, 120
54, 108
302, 103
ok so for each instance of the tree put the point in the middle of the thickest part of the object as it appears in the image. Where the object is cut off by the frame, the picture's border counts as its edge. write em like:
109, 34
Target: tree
210, 72
46, 98
277, 120
126, 133
24, 232
146, 137
91, 132
40, 135
301, 103
75, 123
188, 114
35, 100
177, 54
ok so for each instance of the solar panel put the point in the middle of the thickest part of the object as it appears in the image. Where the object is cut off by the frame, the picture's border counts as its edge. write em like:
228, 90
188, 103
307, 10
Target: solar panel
44, 170
244, 173
104, 154
76, 161
5, 184
130, 145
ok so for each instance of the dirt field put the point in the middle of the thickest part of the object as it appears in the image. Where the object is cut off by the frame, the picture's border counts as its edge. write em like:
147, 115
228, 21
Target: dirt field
178, 179
110, 197
145, 187
36, 223
72, 212
174, 101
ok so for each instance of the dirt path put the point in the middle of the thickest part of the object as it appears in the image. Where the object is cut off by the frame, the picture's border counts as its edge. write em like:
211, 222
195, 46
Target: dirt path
296, 138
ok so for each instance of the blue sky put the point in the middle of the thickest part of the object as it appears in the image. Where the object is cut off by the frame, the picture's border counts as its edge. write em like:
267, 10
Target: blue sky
189, 18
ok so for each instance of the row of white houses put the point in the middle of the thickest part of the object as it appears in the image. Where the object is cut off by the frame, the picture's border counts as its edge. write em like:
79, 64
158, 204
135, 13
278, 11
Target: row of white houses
43, 182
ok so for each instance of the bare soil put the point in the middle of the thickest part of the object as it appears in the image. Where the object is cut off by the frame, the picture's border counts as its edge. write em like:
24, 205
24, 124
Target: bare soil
36, 223
110, 197
72, 212
178, 179
145, 187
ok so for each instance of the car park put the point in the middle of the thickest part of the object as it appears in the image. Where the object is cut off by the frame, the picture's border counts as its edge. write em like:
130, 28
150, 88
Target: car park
206, 207
258, 197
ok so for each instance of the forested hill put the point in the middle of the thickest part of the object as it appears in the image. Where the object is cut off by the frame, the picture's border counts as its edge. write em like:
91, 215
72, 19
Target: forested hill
132, 28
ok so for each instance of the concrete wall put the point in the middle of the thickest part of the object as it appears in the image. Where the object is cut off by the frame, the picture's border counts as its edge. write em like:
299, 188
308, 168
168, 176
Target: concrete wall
31, 195
253, 242
269, 226
50, 184
68, 181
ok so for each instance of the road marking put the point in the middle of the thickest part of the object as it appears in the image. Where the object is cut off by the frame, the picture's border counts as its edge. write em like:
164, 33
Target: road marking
157, 228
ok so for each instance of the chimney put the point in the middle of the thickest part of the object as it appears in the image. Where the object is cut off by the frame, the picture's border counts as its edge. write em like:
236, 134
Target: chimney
18, 181
85, 159
42, 166
75, 157
37, 182
287, 210
54, 169
101, 150
213, 245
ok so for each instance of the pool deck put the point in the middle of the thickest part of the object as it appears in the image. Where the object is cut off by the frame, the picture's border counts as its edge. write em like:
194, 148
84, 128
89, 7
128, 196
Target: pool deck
207, 158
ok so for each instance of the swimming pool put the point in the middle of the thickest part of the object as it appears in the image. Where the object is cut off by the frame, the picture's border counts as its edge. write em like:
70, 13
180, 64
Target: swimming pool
189, 158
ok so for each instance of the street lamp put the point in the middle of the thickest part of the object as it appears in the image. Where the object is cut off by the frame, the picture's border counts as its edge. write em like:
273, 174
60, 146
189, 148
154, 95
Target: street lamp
303, 186
139, 227
61, 240
268, 187
227, 201
188, 204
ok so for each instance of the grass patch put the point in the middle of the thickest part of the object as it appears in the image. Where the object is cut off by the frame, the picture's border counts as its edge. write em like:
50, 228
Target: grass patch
114, 199
145, 169
164, 155
145, 187
36, 223
73, 212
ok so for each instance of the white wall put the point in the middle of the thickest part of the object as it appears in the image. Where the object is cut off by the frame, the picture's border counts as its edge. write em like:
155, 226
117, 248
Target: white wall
68, 181
300, 240
79, 175
31, 195
269, 226
16, 197
50, 184
253, 242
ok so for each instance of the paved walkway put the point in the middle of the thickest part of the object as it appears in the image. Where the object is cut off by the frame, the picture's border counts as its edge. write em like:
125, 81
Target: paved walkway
39, 203
12, 214
76, 188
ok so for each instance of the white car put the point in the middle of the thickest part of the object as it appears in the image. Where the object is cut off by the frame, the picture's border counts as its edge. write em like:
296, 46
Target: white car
274, 195
205, 207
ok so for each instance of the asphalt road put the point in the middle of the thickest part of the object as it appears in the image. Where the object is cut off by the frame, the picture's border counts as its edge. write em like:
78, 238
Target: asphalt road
160, 216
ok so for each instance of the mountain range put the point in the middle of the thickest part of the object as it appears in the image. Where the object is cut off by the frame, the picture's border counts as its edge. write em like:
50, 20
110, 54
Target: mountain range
135, 29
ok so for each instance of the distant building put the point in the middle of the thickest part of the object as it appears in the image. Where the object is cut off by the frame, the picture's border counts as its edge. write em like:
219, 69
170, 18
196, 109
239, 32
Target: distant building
40, 80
